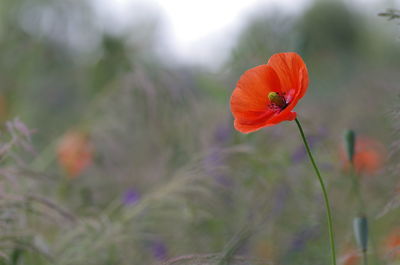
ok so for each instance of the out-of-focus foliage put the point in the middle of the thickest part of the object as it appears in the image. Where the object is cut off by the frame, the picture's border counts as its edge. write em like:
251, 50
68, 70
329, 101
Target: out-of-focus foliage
320, 35
169, 180
390, 14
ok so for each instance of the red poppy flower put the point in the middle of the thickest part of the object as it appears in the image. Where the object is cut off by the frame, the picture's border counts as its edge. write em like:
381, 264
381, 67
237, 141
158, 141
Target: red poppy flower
351, 257
75, 153
266, 95
265, 250
369, 156
392, 244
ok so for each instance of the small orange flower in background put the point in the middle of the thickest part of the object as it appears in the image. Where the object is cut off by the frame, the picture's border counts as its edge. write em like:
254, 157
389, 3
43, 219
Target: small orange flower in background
369, 156
75, 153
392, 245
264, 250
351, 257
266, 95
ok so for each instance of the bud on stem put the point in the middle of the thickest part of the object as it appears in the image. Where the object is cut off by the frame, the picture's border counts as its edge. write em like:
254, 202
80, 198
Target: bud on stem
360, 226
350, 141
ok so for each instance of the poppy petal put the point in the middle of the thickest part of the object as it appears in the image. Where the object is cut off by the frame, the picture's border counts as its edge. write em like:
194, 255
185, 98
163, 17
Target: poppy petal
253, 87
271, 120
247, 128
292, 72
249, 100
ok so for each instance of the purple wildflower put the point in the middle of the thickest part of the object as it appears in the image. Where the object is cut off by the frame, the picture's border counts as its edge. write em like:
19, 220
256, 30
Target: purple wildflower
223, 133
280, 198
302, 237
159, 250
213, 164
130, 197
300, 153
214, 159
223, 180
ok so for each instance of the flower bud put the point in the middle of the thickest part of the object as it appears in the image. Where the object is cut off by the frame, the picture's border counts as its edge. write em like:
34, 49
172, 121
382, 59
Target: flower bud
350, 142
360, 226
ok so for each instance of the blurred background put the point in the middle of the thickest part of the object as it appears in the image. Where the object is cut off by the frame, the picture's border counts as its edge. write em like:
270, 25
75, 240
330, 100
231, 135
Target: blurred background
118, 147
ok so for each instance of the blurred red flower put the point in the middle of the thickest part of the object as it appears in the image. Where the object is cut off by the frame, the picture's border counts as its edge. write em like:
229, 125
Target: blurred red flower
392, 244
265, 250
266, 95
369, 156
351, 257
75, 153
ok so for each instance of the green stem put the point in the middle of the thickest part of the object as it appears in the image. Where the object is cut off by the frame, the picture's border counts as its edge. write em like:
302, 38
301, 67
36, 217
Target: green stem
357, 191
362, 211
325, 194
365, 258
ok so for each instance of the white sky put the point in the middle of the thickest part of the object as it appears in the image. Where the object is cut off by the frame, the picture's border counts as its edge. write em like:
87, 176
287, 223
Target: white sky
201, 30
198, 31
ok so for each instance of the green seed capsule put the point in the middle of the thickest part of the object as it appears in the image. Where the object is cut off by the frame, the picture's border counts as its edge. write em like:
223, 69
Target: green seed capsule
360, 226
277, 99
350, 141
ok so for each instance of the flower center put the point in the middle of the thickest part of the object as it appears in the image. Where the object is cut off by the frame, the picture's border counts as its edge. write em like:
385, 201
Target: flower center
277, 101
